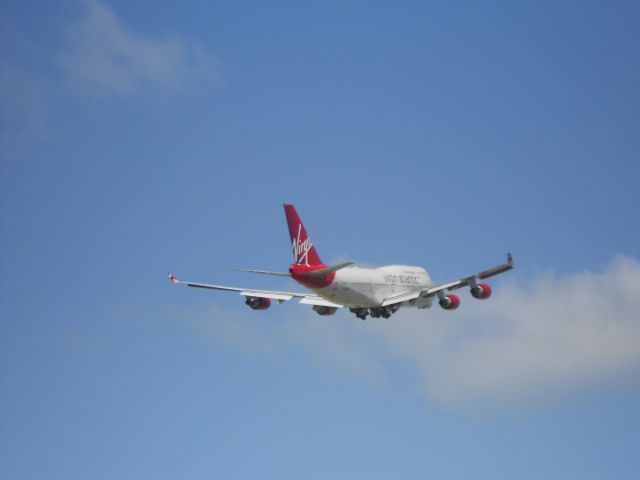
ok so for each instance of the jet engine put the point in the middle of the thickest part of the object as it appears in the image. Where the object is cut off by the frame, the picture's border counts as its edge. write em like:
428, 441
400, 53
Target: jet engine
450, 302
481, 291
258, 303
323, 310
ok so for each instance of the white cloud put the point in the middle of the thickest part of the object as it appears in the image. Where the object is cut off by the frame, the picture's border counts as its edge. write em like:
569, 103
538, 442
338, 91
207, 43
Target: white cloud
106, 57
531, 342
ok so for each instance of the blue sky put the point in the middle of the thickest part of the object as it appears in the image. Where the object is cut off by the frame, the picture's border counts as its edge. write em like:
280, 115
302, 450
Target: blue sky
139, 137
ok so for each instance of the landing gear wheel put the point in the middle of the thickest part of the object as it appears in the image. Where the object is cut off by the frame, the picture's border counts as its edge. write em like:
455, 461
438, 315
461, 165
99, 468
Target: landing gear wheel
360, 313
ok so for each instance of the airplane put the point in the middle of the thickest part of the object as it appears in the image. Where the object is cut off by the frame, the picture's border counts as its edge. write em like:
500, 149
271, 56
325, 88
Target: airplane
379, 292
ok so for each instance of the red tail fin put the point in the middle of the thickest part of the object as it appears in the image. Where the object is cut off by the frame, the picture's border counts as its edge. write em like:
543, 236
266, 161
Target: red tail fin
303, 250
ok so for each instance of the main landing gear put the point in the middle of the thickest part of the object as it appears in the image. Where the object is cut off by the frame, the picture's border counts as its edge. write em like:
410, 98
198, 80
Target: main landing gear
361, 313
375, 312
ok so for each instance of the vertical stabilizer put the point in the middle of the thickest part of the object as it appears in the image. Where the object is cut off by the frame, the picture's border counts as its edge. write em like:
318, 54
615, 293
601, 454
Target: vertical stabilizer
303, 250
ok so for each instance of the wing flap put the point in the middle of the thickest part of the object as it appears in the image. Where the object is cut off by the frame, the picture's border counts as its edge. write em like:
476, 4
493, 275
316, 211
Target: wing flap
463, 282
280, 296
315, 300
405, 297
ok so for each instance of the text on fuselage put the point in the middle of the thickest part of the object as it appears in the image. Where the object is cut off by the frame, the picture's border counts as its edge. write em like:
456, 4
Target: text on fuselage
401, 279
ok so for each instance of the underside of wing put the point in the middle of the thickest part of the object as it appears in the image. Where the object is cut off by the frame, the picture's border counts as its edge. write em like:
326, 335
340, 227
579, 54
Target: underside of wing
404, 297
261, 299
449, 301
280, 296
472, 280
316, 300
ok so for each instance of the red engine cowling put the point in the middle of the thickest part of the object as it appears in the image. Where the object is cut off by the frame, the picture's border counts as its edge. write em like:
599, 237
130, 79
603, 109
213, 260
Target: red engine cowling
450, 302
323, 310
258, 303
481, 291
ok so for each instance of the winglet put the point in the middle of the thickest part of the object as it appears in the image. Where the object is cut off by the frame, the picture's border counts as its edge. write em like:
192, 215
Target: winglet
172, 277
496, 270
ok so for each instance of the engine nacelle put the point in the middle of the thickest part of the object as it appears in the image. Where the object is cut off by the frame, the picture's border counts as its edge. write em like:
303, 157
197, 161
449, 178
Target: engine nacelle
450, 302
258, 303
481, 291
324, 310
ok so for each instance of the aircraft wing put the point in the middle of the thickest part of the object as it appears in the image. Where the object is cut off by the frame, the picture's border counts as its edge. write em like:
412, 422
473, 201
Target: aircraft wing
307, 298
469, 281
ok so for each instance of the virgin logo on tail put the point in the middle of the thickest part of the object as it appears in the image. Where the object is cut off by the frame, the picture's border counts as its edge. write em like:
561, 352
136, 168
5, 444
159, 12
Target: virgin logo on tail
302, 248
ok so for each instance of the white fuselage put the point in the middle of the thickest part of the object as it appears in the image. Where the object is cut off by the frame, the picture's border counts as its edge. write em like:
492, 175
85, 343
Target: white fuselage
357, 287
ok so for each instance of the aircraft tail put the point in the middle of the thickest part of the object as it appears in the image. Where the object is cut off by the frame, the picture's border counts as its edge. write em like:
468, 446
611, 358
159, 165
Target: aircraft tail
303, 250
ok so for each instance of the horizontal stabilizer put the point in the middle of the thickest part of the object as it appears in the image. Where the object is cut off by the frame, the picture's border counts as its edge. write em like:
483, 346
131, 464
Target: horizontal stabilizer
262, 272
321, 272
